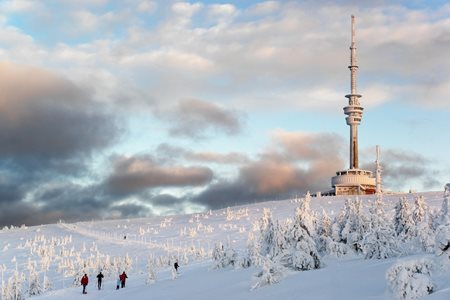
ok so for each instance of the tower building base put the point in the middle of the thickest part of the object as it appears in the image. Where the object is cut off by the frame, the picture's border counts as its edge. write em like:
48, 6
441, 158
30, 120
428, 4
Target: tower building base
353, 182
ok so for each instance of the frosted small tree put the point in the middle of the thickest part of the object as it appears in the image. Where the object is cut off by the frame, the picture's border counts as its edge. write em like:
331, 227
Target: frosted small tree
306, 215
422, 233
324, 229
380, 241
420, 211
218, 255
224, 256
34, 284
443, 235
272, 272
151, 277
444, 217
78, 275
267, 230
304, 255
251, 257
279, 243
47, 284
14, 290
127, 263
410, 279
355, 224
338, 225
403, 222
337, 249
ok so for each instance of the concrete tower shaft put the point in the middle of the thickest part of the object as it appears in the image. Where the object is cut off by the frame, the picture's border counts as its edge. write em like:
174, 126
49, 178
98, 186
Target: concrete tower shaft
354, 110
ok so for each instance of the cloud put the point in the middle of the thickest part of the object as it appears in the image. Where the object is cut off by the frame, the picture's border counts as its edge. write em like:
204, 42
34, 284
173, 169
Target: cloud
50, 131
405, 169
263, 8
307, 146
219, 158
147, 6
132, 175
293, 164
197, 118
12, 6
50, 119
169, 152
53, 202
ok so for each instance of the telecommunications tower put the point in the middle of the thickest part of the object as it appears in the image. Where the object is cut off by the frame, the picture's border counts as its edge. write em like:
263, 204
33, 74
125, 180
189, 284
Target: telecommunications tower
353, 181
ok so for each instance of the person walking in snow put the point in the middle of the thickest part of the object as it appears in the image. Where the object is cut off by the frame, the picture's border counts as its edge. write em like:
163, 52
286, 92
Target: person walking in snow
84, 283
175, 265
99, 280
123, 277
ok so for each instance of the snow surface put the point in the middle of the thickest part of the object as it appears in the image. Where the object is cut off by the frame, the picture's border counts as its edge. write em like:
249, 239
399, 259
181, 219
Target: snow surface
194, 237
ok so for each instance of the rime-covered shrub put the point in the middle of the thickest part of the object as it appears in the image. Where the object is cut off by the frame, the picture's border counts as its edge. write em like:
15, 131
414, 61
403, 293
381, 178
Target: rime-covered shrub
251, 255
34, 284
272, 272
337, 249
13, 289
151, 276
224, 256
410, 279
443, 241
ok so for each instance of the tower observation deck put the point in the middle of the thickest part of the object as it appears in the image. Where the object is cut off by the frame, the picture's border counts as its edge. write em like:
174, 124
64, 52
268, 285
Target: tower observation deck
354, 180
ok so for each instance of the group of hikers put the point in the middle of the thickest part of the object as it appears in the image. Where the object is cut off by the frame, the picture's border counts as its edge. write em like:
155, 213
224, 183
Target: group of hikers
120, 281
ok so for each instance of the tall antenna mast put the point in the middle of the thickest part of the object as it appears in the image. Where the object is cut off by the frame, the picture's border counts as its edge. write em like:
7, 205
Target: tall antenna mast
378, 172
354, 110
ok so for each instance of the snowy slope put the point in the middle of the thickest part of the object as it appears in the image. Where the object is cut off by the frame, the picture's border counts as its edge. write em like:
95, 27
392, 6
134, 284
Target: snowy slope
190, 239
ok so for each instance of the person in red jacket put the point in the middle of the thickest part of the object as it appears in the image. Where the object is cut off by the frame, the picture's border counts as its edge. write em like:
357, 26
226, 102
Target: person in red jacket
123, 277
84, 283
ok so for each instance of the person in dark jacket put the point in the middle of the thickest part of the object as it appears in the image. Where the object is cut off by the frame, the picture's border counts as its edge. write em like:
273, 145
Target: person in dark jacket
123, 277
175, 265
99, 280
84, 283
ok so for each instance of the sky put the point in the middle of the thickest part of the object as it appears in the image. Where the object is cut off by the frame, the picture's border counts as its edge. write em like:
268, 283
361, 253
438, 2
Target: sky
135, 108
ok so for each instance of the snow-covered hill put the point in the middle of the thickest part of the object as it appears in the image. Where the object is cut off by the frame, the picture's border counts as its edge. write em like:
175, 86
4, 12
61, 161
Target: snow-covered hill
63, 252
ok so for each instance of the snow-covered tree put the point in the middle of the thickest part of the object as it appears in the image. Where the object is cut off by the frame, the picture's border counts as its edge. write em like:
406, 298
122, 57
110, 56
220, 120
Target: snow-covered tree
380, 241
355, 224
47, 284
337, 249
13, 290
444, 217
267, 232
251, 256
420, 210
324, 229
127, 263
403, 221
303, 252
410, 279
34, 284
279, 242
272, 272
151, 276
224, 256
305, 215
